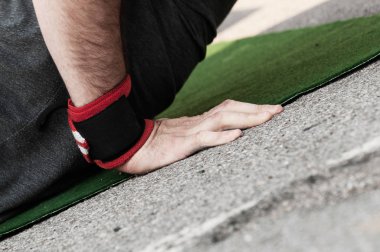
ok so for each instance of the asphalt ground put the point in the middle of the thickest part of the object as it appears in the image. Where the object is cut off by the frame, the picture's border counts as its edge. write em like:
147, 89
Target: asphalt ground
299, 182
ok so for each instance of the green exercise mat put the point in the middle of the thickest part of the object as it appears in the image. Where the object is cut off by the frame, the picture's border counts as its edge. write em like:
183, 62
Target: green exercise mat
271, 68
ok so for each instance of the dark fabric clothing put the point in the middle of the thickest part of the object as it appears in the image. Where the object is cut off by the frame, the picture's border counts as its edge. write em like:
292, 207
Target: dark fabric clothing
163, 41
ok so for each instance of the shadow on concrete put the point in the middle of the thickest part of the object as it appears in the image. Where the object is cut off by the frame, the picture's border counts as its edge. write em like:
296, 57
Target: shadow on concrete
235, 17
328, 12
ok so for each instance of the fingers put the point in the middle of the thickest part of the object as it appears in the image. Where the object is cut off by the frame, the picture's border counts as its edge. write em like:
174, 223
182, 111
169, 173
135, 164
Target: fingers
232, 120
226, 106
236, 106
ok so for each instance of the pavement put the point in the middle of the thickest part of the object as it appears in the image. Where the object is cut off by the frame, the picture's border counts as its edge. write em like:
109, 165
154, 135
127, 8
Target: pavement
309, 180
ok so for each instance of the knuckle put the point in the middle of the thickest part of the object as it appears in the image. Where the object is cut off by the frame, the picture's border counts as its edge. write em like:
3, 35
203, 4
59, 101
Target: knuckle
227, 103
267, 114
198, 138
264, 116
204, 114
201, 137
218, 117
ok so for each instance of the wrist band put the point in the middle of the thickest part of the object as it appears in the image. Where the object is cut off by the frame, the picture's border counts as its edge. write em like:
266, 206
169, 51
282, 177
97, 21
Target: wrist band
107, 131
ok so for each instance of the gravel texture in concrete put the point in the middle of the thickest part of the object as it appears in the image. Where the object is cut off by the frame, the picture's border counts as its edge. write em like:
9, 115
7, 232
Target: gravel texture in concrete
353, 225
313, 166
204, 199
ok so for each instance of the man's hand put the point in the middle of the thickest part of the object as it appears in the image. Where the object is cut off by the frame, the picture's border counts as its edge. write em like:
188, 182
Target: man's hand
176, 139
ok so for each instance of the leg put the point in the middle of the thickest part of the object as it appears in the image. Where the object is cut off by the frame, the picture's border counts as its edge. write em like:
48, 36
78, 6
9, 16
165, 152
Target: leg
164, 42
37, 157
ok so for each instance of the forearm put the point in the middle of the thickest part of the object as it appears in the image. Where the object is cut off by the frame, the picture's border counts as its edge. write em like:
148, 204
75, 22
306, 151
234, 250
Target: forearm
83, 37
84, 40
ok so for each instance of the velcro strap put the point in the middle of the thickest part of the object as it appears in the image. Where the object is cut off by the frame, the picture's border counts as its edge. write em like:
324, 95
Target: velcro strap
108, 131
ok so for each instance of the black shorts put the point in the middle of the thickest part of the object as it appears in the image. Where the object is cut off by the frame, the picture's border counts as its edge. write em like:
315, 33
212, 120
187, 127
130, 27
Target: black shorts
163, 41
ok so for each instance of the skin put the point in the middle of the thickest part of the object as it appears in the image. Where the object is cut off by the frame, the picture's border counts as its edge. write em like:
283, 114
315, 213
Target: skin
84, 40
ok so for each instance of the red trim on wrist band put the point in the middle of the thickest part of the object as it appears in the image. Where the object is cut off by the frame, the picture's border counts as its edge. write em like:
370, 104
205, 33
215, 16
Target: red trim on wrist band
80, 114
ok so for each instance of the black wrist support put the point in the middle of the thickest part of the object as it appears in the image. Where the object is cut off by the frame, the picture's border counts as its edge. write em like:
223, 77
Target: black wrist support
107, 130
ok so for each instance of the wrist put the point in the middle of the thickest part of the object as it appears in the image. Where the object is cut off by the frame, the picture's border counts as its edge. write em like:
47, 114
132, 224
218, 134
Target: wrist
107, 130
90, 89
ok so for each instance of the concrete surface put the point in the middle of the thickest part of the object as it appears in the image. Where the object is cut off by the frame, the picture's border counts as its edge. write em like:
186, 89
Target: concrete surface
309, 180
252, 17
353, 225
